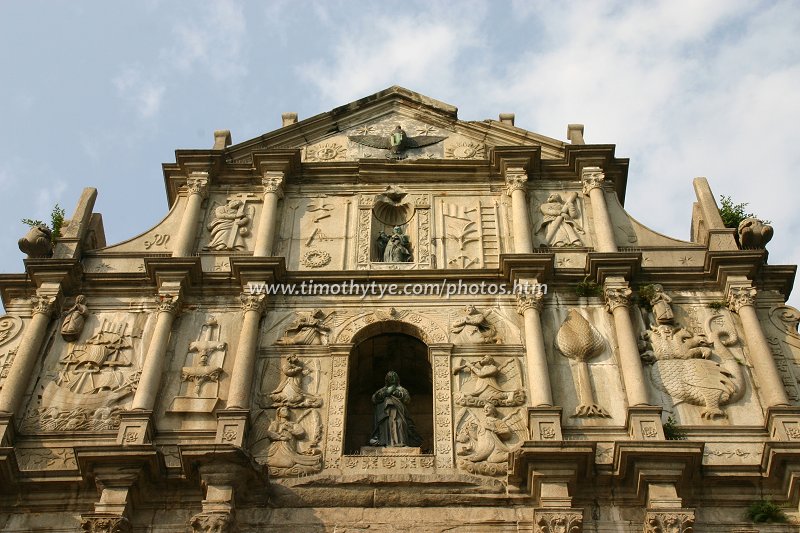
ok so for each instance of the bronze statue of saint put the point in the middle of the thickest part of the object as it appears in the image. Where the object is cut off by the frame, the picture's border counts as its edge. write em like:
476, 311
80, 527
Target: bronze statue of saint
393, 424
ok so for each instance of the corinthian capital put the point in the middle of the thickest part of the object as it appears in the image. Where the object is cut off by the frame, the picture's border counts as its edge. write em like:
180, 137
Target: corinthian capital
212, 521
44, 305
273, 182
592, 178
557, 520
104, 523
738, 297
253, 302
197, 183
532, 300
168, 303
678, 521
516, 179
617, 296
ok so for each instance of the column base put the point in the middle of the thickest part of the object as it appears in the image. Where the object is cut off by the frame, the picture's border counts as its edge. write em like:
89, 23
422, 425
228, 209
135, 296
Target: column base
644, 423
544, 423
557, 520
135, 427
232, 426
783, 423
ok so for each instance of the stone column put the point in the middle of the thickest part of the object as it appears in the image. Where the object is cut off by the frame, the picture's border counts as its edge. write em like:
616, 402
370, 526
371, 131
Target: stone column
538, 376
617, 297
197, 185
153, 367
593, 179
742, 300
516, 179
244, 365
273, 191
19, 374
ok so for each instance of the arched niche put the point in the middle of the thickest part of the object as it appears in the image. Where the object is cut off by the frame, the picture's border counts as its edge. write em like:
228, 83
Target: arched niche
376, 350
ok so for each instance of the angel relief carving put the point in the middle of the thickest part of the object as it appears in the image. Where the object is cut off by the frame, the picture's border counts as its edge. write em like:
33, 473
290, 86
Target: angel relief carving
289, 446
484, 442
291, 390
474, 327
308, 328
486, 381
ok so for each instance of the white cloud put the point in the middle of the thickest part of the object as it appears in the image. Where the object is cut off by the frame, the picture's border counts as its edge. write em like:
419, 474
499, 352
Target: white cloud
142, 94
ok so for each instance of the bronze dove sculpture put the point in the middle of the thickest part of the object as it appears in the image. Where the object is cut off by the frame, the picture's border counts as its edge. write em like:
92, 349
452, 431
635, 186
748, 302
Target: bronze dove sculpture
397, 142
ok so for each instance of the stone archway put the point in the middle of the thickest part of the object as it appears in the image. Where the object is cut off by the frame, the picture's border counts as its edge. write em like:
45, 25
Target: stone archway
378, 348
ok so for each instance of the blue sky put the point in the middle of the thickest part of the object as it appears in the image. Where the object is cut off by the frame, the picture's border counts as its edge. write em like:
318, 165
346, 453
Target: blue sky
101, 93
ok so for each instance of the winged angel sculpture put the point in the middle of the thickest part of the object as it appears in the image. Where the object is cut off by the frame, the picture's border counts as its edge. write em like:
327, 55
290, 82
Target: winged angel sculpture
485, 381
397, 142
288, 445
485, 443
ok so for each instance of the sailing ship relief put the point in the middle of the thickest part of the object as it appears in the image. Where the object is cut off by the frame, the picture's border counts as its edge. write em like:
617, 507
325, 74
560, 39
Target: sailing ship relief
92, 385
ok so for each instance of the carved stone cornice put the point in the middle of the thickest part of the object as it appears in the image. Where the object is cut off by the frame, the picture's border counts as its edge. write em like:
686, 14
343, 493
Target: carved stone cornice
105, 523
212, 522
616, 297
168, 303
273, 181
558, 521
197, 183
253, 302
672, 521
533, 300
44, 305
592, 178
739, 297
516, 180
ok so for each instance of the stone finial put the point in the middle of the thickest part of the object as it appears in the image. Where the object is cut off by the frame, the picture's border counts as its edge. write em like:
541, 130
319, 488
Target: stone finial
287, 119
507, 118
575, 133
222, 139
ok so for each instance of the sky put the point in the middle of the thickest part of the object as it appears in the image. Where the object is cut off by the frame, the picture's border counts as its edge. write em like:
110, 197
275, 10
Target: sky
100, 93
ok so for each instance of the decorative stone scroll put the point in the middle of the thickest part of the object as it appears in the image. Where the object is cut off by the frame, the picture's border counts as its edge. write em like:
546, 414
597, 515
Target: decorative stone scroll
429, 331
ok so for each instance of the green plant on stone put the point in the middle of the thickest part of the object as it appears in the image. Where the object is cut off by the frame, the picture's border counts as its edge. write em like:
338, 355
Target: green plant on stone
763, 511
646, 293
717, 305
672, 431
732, 214
56, 222
588, 287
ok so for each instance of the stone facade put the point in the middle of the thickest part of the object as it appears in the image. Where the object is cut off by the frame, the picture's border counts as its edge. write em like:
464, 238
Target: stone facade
174, 382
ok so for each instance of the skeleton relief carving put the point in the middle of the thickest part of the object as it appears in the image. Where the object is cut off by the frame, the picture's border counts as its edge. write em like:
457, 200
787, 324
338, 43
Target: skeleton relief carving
485, 440
481, 382
199, 389
579, 341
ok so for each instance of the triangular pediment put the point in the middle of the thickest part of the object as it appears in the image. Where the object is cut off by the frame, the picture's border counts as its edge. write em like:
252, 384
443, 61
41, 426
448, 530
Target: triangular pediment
363, 129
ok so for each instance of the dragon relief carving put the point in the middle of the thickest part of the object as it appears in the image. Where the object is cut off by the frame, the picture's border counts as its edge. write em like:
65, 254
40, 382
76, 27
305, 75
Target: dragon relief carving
482, 382
685, 364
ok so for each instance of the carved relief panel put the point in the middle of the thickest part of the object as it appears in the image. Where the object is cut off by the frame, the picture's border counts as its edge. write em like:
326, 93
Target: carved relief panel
558, 219
314, 232
229, 224
467, 232
10, 335
86, 382
784, 342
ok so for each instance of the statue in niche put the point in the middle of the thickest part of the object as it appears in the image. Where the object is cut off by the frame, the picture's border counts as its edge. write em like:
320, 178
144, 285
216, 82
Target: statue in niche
682, 366
486, 376
560, 221
474, 328
74, 319
285, 456
229, 223
484, 445
394, 248
290, 391
308, 328
662, 310
393, 425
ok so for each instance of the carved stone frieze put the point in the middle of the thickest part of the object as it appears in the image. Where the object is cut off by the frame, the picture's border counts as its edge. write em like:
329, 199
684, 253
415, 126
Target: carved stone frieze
485, 440
105, 523
212, 522
338, 387
558, 521
46, 459
298, 376
668, 521
474, 327
289, 444
443, 426
231, 223
199, 389
560, 225
308, 328
430, 331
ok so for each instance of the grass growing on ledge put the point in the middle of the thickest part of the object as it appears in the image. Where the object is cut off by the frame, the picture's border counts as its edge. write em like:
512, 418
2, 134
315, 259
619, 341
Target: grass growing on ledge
763, 511
588, 287
672, 431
